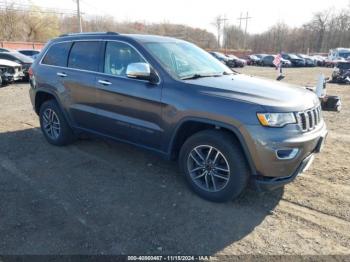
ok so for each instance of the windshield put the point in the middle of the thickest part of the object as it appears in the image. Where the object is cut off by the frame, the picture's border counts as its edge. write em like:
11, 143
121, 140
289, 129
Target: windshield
183, 60
344, 55
293, 56
22, 58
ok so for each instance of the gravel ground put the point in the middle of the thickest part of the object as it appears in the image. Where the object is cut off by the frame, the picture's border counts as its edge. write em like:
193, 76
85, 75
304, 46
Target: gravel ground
102, 197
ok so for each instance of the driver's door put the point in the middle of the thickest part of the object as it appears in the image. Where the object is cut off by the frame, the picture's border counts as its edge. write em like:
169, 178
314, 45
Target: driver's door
127, 109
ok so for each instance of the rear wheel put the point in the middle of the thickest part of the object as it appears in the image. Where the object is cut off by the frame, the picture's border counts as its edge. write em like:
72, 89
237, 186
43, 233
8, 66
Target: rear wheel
214, 165
54, 125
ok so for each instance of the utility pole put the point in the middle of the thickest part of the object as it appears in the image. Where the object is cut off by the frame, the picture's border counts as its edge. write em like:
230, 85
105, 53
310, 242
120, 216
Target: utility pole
79, 16
240, 20
224, 20
246, 27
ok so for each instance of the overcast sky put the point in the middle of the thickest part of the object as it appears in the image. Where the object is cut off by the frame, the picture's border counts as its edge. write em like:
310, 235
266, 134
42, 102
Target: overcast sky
200, 13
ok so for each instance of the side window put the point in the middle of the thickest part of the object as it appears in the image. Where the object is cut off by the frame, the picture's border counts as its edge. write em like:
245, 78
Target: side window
118, 56
85, 55
57, 54
7, 57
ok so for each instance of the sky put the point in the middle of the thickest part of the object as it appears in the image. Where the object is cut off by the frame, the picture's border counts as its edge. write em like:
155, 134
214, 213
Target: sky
201, 13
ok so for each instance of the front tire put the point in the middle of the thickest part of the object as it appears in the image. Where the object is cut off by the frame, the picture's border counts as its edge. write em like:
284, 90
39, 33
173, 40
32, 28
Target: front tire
214, 165
54, 125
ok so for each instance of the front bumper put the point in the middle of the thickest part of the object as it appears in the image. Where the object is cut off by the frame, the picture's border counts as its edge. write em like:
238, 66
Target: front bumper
261, 183
271, 169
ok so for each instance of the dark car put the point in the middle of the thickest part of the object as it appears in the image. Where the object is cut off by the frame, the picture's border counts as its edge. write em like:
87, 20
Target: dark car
19, 58
260, 57
252, 60
239, 62
309, 61
268, 61
224, 59
173, 98
341, 73
294, 59
5, 50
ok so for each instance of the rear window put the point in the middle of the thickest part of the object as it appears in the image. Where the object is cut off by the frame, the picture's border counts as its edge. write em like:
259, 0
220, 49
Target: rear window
57, 54
85, 55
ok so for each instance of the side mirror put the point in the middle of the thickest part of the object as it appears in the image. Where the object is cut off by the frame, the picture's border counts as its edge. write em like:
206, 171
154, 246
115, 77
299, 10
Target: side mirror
141, 71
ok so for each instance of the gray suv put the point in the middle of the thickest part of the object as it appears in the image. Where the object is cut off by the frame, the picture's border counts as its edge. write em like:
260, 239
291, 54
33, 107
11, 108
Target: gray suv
227, 130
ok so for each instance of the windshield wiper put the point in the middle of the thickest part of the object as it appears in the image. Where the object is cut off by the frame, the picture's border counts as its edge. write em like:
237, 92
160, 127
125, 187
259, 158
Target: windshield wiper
195, 76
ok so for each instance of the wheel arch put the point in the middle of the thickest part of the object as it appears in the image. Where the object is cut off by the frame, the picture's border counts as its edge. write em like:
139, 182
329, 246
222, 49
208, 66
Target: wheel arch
41, 96
189, 126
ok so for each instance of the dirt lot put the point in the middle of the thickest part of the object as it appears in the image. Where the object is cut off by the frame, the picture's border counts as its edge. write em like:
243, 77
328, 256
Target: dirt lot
101, 197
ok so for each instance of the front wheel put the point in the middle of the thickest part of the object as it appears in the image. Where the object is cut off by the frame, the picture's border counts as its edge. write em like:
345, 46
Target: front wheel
214, 165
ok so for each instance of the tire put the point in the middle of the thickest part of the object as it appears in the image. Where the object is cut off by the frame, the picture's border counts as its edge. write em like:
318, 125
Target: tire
61, 133
236, 179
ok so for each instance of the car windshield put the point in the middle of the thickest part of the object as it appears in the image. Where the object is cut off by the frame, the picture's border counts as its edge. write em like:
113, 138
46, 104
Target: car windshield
185, 60
21, 57
344, 55
293, 56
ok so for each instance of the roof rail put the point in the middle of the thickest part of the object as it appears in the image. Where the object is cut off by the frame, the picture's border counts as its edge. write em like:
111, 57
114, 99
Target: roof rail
89, 33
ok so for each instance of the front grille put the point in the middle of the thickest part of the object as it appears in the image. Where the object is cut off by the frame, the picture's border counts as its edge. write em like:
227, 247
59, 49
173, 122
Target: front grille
309, 119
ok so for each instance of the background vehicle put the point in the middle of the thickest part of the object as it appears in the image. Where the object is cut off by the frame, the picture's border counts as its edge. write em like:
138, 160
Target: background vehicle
224, 59
260, 57
19, 58
29, 52
5, 50
295, 60
10, 71
268, 61
320, 60
341, 73
171, 97
239, 62
252, 60
309, 61
339, 53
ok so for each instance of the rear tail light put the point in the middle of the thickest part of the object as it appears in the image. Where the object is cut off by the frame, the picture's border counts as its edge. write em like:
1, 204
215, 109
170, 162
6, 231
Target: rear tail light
30, 72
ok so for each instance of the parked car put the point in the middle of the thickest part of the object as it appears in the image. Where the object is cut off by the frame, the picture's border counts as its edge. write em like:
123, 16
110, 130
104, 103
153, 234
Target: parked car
309, 61
226, 129
295, 60
29, 52
260, 57
253, 60
19, 58
5, 50
224, 59
320, 60
341, 73
268, 61
239, 62
339, 53
10, 71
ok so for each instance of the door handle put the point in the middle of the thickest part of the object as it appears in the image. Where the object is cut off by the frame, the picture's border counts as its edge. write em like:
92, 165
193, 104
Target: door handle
61, 74
104, 82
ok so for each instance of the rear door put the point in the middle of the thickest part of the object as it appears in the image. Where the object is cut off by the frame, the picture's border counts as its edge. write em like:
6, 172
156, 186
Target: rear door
128, 109
79, 80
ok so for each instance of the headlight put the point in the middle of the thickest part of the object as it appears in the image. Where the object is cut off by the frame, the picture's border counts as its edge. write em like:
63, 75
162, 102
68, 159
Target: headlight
276, 119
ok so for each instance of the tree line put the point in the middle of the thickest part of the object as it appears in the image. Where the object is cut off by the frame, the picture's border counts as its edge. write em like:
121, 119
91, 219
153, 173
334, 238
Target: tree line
35, 24
324, 31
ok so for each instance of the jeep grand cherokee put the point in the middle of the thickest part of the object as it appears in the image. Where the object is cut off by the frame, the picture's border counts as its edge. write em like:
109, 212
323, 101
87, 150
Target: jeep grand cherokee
171, 97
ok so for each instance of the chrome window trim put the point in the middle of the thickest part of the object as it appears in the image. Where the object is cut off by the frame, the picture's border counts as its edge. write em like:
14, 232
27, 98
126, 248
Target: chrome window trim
100, 73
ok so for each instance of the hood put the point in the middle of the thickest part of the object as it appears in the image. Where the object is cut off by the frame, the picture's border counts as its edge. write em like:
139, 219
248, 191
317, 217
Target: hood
8, 63
272, 95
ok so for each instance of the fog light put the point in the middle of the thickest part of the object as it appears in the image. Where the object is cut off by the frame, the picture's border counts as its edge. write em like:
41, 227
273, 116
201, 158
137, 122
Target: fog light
287, 154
